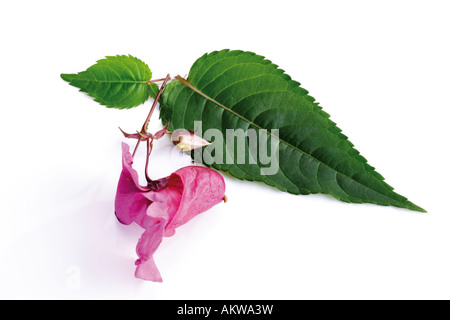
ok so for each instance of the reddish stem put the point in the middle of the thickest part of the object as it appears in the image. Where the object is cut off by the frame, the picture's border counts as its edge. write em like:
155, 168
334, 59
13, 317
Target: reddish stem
156, 80
149, 151
147, 120
144, 127
136, 147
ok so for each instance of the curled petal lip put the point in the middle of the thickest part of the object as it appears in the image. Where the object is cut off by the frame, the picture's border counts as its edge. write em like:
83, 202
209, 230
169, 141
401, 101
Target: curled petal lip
129, 202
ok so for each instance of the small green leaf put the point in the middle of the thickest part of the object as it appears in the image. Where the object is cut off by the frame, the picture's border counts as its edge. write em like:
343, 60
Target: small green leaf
241, 90
116, 82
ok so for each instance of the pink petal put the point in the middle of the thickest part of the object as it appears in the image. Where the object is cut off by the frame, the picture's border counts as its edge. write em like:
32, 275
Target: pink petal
201, 188
130, 202
167, 199
146, 247
147, 270
150, 241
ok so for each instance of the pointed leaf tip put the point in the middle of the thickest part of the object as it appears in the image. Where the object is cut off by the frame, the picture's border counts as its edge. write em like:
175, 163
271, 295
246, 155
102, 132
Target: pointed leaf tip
67, 76
417, 208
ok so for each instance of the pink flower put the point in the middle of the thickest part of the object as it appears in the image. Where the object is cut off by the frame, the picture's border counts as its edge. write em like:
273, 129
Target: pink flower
163, 205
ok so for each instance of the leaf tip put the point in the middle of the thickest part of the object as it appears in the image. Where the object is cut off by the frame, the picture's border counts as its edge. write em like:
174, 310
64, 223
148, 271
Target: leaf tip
67, 76
414, 207
422, 210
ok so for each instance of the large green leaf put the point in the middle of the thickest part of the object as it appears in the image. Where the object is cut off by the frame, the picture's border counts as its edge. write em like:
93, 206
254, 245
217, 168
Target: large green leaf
236, 89
116, 82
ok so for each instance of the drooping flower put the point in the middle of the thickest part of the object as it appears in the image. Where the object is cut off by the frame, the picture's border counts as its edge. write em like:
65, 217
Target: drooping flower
163, 205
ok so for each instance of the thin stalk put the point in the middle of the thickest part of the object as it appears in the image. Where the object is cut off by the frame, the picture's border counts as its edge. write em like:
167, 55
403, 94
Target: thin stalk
149, 151
136, 147
156, 80
147, 120
144, 127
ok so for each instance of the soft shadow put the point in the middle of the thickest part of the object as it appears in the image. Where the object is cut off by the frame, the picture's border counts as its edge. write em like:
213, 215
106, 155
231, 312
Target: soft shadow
85, 254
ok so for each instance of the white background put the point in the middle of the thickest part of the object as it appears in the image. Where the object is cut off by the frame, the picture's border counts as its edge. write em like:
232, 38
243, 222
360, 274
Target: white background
380, 68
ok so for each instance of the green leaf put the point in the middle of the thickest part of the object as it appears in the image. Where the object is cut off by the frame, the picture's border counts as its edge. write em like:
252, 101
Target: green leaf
236, 89
116, 82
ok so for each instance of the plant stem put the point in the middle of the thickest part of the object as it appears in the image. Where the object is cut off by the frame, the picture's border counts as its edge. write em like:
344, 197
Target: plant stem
144, 127
136, 147
147, 120
149, 151
156, 80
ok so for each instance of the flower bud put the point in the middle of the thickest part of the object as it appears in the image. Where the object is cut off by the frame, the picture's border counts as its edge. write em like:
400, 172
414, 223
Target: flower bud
187, 140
